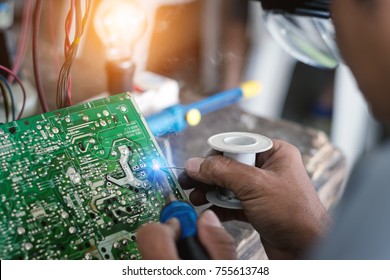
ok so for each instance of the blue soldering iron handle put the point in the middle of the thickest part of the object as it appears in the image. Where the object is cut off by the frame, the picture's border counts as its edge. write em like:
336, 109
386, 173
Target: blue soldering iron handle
188, 245
217, 101
170, 120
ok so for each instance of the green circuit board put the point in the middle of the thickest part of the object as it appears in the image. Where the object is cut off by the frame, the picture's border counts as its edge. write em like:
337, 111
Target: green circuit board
77, 183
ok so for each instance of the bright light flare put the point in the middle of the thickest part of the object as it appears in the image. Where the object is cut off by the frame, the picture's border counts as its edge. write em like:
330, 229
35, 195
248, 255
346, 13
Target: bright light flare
119, 24
156, 165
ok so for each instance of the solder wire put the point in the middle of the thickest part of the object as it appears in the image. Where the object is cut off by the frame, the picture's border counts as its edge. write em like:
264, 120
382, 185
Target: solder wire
173, 167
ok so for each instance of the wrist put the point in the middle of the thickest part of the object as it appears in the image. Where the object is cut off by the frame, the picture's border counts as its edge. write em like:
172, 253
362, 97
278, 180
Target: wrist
315, 231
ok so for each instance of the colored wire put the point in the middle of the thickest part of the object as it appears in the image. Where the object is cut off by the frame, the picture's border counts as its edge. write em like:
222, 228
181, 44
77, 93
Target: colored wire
38, 82
23, 38
68, 25
53, 36
64, 81
21, 86
70, 50
3, 91
5, 82
86, 14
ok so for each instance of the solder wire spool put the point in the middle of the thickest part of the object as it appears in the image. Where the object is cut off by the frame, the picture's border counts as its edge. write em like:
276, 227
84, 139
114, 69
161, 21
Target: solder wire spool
242, 147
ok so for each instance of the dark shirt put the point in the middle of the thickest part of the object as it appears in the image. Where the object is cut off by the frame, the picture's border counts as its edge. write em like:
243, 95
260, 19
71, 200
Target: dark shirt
361, 227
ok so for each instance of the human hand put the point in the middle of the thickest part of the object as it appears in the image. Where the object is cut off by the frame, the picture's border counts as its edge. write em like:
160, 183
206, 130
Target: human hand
157, 241
277, 196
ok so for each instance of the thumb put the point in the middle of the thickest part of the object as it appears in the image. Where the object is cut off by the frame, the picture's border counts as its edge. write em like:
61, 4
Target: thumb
225, 172
158, 241
217, 241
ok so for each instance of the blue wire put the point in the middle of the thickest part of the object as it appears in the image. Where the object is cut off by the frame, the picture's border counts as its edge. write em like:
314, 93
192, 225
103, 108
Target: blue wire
4, 80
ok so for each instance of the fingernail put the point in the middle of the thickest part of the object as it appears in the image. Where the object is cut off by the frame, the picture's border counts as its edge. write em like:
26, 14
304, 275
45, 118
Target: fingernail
208, 217
172, 222
193, 165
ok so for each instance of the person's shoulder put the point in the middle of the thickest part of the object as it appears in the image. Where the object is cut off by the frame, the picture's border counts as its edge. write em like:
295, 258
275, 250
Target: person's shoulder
378, 155
361, 224
372, 168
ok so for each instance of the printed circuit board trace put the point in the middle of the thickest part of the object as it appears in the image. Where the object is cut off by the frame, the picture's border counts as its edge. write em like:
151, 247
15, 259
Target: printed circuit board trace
76, 183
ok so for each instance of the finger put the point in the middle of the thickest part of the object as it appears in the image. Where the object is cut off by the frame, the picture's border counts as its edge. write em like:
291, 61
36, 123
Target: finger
279, 149
213, 152
187, 182
198, 197
262, 158
217, 241
229, 214
222, 171
274, 253
158, 241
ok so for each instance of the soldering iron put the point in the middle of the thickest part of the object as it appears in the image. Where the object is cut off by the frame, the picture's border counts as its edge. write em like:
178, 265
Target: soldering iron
188, 245
176, 118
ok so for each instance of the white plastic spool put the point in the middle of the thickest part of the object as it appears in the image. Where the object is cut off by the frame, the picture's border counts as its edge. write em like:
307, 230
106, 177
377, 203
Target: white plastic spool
242, 147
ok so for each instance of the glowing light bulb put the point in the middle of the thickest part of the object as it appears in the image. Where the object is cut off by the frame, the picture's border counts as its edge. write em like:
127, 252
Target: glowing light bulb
119, 24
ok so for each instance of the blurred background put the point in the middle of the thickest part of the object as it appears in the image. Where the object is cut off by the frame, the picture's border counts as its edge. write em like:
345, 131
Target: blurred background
66, 52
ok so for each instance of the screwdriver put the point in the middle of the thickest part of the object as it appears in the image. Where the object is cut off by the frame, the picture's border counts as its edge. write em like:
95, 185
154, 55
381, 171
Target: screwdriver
188, 245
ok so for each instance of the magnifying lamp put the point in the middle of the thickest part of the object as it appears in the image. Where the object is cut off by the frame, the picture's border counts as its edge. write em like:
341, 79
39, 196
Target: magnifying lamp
304, 28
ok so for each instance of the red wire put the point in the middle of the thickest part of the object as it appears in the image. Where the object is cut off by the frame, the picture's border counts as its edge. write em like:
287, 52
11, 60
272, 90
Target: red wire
69, 90
21, 85
38, 82
68, 25
67, 43
23, 38
53, 37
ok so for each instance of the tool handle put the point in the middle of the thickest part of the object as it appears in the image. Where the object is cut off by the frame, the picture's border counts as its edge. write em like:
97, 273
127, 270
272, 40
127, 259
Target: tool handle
191, 249
188, 244
216, 101
170, 120
225, 98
